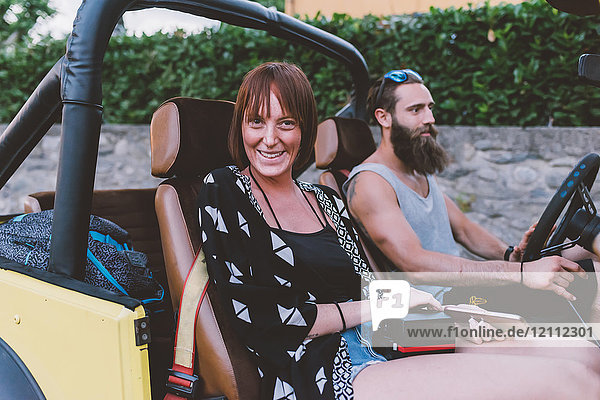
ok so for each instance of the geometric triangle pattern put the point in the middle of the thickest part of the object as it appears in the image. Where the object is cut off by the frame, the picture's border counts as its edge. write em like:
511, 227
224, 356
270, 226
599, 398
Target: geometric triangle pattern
320, 379
282, 249
283, 391
290, 316
241, 310
209, 179
235, 273
283, 282
342, 207
243, 223
240, 185
217, 218
297, 355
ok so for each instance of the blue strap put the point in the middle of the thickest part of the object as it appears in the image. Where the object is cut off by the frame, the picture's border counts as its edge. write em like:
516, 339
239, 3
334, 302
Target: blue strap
105, 272
162, 295
18, 218
102, 238
109, 240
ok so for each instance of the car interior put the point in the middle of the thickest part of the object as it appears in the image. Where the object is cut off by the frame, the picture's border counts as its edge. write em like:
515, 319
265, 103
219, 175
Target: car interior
188, 139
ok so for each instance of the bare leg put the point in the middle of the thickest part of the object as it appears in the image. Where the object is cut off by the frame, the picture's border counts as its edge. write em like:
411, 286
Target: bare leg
581, 351
477, 376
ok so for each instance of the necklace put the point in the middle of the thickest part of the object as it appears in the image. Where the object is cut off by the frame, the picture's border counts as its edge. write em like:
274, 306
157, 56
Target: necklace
269, 203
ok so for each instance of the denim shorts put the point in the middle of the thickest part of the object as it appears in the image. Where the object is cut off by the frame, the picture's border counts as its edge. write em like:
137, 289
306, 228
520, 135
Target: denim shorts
359, 348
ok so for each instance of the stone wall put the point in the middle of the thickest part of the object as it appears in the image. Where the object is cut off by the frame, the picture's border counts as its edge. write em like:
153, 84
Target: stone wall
501, 176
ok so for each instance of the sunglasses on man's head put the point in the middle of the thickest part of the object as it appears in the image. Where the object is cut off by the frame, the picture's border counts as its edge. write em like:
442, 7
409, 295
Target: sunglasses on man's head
398, 76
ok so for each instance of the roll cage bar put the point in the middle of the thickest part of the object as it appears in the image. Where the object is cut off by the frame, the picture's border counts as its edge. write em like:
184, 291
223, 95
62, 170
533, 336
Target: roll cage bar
74, 87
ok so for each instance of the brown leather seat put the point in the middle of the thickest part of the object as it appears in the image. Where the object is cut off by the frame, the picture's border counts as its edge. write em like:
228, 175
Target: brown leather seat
343, 143
188, 139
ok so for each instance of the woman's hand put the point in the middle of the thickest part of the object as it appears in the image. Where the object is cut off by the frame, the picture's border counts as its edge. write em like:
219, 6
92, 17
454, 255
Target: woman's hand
552, 273
420, 298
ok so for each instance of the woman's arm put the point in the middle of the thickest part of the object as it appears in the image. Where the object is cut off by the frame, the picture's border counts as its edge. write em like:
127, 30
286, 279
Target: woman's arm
357, 312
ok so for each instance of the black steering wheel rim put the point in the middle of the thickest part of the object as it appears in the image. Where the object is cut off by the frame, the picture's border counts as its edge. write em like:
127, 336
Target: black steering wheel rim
574, 191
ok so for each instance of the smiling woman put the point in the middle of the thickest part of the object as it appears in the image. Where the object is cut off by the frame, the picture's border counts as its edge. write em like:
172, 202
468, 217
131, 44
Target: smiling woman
275, 103
271, 140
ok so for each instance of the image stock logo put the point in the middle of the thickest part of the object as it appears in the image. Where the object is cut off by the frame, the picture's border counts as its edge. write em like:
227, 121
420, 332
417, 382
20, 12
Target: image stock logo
389, 299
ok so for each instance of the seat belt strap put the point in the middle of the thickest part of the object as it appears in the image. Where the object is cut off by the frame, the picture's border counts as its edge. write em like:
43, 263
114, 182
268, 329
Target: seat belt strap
181, 383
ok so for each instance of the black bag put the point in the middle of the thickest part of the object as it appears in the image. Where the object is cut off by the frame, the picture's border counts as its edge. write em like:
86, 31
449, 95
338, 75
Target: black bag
111, 262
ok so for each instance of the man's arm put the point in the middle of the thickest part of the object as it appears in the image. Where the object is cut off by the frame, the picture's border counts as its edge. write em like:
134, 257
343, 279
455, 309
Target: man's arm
473, 236
373, 204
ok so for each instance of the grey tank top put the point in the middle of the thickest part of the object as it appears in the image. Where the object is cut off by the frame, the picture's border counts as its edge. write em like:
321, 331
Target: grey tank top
427, 216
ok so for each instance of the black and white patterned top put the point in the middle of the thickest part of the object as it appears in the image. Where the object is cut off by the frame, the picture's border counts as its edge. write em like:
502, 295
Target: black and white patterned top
272, 296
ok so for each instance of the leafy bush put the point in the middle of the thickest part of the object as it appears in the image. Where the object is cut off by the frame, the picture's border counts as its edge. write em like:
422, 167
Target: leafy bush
501, 65
18, 17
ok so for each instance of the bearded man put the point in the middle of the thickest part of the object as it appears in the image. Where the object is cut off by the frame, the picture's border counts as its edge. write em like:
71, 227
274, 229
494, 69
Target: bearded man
396, 202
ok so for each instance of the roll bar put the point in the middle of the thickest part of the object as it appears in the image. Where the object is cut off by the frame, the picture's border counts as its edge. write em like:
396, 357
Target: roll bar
75, 83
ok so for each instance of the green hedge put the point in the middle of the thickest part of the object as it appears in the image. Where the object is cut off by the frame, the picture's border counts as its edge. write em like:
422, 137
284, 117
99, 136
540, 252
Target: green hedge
501, 65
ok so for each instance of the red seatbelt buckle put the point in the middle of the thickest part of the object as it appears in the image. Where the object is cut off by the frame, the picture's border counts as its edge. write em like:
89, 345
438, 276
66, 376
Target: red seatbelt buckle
182, 384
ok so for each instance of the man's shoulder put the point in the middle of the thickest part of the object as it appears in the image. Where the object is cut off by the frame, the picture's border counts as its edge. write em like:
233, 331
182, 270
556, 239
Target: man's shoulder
371, 173
369, 186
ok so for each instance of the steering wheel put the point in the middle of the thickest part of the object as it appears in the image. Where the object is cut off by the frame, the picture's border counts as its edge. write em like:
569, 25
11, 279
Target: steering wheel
579, 181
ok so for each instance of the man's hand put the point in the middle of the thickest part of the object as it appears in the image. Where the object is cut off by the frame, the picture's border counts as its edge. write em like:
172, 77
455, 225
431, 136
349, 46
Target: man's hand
517, 254
552, 273
420, 298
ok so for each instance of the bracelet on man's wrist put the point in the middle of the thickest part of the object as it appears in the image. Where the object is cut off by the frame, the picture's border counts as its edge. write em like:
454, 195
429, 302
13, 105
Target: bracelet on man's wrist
508, 252
521, 272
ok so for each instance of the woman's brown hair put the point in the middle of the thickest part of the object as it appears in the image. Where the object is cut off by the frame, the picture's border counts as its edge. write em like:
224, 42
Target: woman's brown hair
291, 87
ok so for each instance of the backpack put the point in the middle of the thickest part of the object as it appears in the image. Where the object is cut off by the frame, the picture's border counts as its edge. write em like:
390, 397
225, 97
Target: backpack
112, 264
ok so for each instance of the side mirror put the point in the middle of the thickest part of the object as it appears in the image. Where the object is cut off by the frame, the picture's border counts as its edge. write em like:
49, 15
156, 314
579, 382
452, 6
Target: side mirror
577, 7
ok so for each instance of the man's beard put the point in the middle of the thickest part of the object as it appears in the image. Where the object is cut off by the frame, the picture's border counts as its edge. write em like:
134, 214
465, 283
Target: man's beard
422, 154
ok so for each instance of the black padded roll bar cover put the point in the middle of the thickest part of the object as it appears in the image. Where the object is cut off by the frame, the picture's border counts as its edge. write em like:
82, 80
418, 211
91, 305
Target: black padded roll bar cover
81, 91
75, 185
81, 75
30, 124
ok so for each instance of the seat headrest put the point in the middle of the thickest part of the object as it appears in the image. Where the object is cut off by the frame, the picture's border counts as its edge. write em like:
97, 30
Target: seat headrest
188, 137
343, 143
